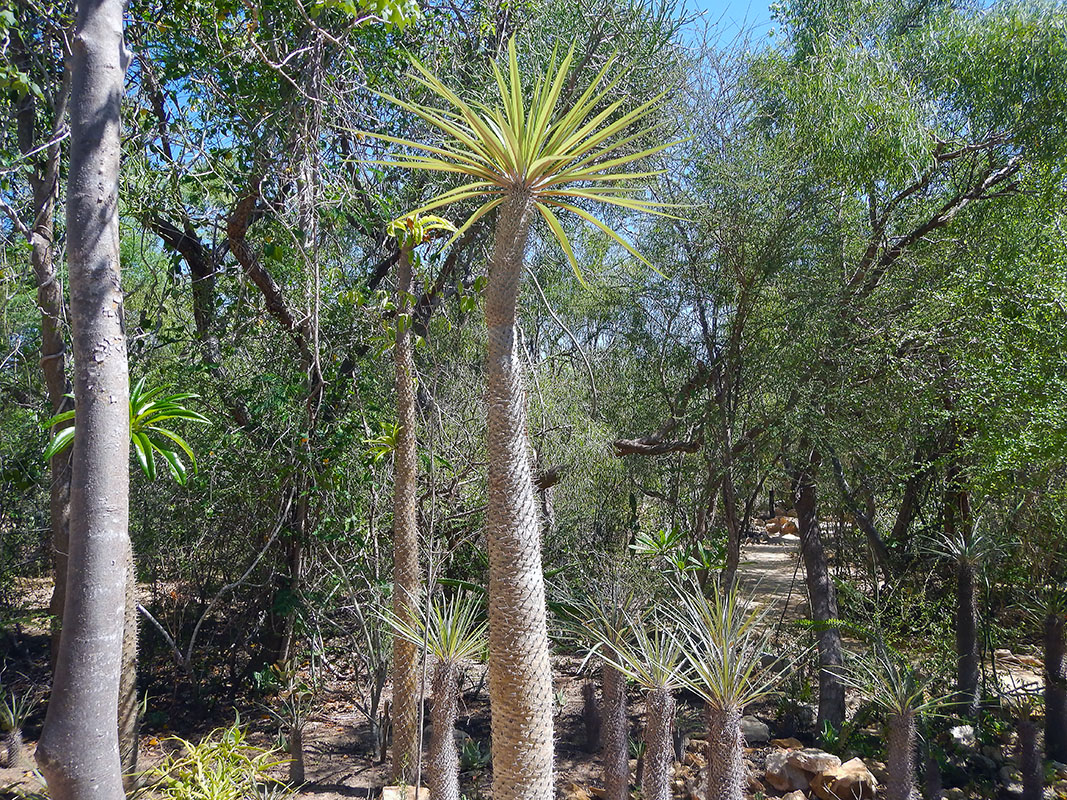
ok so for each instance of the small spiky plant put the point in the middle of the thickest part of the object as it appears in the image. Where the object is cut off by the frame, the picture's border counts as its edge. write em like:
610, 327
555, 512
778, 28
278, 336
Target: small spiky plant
525, 153
891, 683
723, 642
1023, 700
297, 701
651, 656
15, 709
454, 631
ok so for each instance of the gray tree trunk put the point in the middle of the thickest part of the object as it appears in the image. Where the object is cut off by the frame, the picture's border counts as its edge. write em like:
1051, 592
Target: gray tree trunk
129, 712
727, 775
659, 746
406, 700
1030, 765
616, 734
296, 755
444, 761
900, 783
79, 747
823, 598
520, 672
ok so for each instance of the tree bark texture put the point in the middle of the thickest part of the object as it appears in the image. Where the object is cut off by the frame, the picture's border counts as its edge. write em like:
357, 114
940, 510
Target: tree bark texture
520, 674
966, 638
616, 735
296, 756
15, 753
406, 700
823, 598
900, 783
444, 760
1030, 764
44, 181
1055, 688
659, 745
727, 775
79, 747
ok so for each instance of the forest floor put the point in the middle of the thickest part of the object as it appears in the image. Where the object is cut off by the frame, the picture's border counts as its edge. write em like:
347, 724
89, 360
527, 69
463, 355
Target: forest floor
339, 747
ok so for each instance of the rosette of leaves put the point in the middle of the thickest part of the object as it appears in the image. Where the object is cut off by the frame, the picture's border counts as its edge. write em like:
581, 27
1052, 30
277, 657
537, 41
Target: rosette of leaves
149, 437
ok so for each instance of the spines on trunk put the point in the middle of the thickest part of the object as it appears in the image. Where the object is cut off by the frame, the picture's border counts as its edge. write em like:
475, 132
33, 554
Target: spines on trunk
900, 783
406, 700
296, 755
966, 638
616, 751
659, 745
727, 775
1055, 688
129, 711
520, 672
444, 761
1030, 765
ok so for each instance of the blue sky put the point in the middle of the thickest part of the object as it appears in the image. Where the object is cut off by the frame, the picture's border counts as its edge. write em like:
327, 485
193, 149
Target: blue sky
733, 16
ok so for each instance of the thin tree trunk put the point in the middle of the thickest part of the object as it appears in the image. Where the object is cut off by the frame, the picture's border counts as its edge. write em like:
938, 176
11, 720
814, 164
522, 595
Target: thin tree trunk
79, 747
129, 718
727, 775
296, 756
406, 744
659, 746
966, 638
520, 672
1055, 688
592, 718
45, 184
823, 598
900, 783
444, 761
14, 749
616, 752
1033, 772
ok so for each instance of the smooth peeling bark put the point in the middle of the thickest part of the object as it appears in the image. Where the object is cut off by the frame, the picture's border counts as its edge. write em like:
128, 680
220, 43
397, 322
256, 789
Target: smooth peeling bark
823, 596
659, 746
1055, 688
406, 700
900, 782
727, 775
79, 747
616, 735
444, 760
520, 673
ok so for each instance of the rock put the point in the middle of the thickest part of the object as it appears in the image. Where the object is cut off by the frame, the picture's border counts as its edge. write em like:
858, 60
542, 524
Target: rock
963, 736
790, 538
1059, 770
755, 731
955, 793
788, 744
404, 793
812, 760
993, 753
790, 528
1009, 774
782, 775
849, 781
797, 795
878, 769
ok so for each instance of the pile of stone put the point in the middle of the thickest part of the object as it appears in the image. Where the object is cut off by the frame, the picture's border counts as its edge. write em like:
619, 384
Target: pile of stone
805, 772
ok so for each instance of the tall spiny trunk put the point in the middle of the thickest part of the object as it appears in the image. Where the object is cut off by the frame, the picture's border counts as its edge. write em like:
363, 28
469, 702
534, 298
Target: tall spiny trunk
444, 761
1055, 688
296, 755
13, 747
659, 745
44, 181
406, 740
79, 747
616, 751
727, 775
900, 783
823, 598
520, 673
958, 527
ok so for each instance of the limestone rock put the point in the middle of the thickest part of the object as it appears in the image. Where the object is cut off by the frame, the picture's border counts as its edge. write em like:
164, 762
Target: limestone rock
755, 731
404, 793
849, 781
782, 775
796, 795
788, 744
813, 760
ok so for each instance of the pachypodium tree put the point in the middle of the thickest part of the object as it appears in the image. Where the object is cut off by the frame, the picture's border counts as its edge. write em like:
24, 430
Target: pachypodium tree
79, 747
724, 644
453, 632
525, 155
651, 655
409, 233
